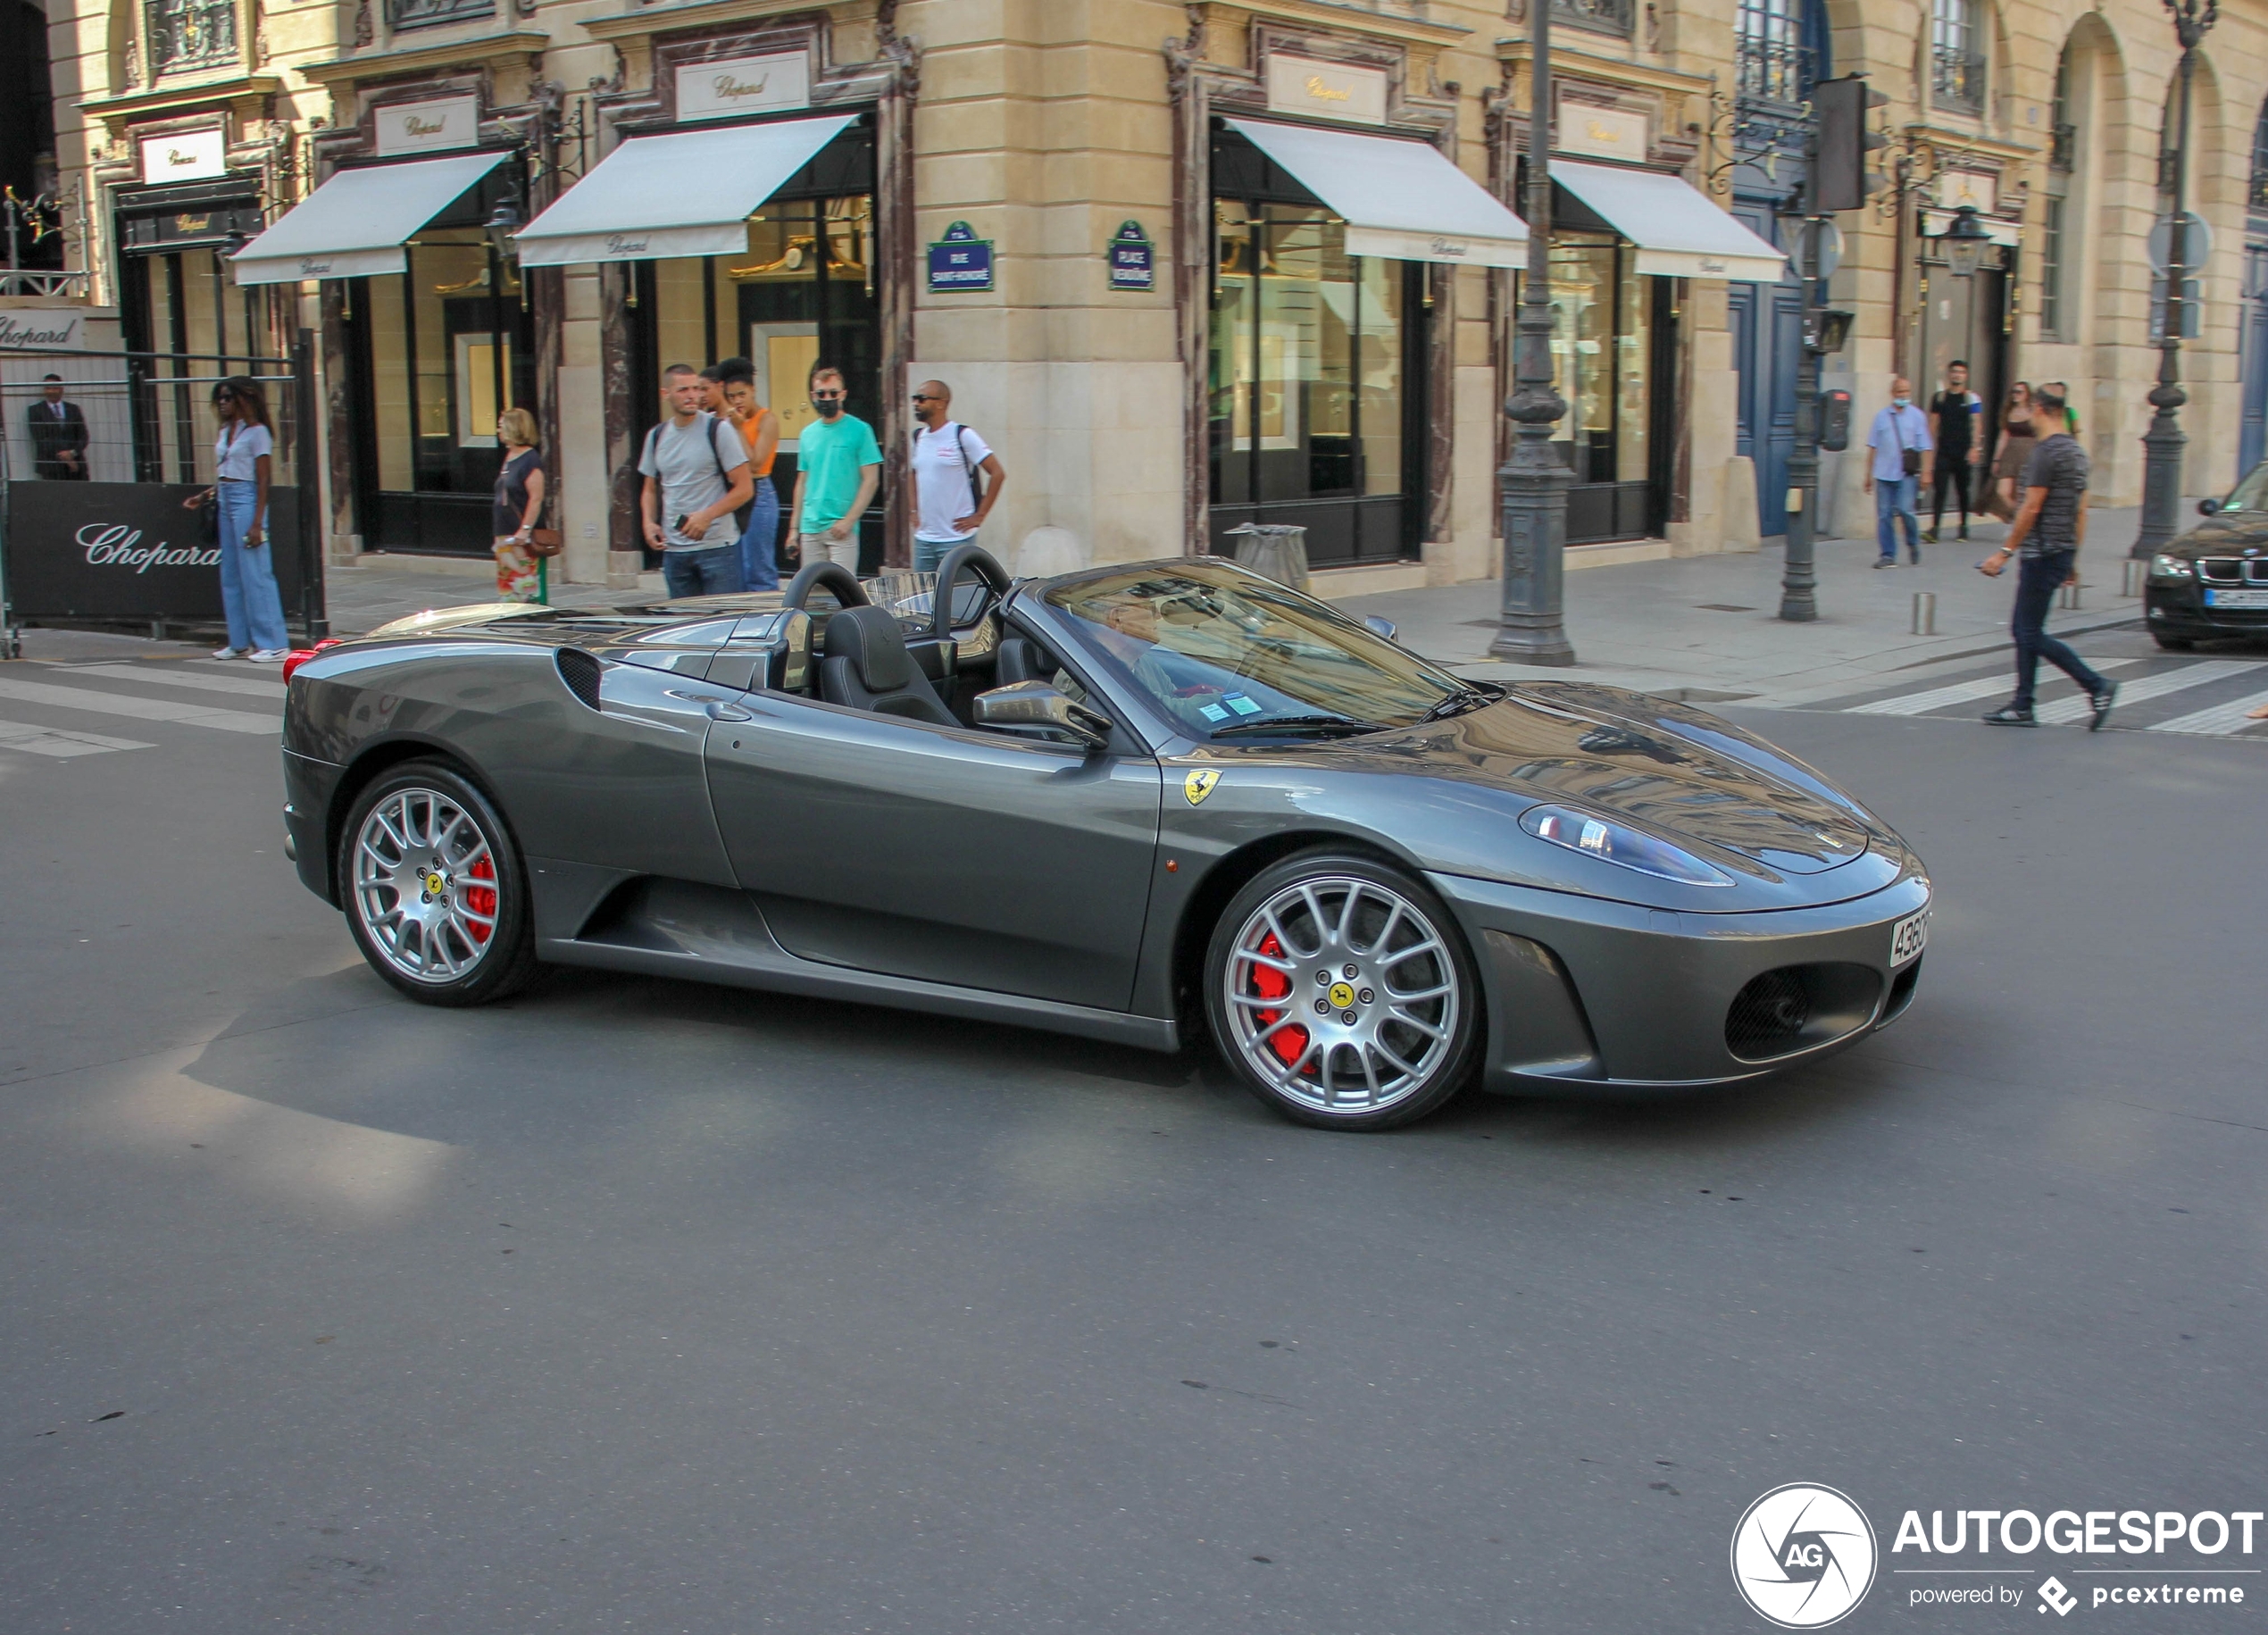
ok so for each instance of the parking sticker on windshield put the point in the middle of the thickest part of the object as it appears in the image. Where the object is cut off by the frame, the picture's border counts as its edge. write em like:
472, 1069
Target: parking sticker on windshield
1241, 704
1213, 711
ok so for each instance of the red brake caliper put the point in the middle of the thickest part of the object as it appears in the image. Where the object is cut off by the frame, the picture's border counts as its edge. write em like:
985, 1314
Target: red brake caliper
1290, 1044
480, 899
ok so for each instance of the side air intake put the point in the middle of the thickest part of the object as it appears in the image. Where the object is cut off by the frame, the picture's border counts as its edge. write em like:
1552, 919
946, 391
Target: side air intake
579, 670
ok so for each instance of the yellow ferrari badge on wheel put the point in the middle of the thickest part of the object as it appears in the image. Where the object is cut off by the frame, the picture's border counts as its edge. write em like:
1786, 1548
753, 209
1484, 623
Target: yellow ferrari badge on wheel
1196, 786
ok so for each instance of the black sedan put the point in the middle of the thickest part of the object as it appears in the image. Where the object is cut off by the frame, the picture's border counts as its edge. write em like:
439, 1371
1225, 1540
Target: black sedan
1136, 803
2213, 581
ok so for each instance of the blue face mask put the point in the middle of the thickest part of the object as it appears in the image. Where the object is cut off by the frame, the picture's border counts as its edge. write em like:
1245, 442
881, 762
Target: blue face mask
1901, 403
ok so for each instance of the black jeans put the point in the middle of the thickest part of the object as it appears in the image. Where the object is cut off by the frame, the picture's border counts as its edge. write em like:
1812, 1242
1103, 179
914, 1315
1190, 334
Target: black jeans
2037, 580
1953, 468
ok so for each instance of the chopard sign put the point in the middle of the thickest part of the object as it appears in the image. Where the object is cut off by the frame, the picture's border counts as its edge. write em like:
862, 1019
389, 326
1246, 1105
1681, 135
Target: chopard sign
725, 86
310, 268
741, 86
16, 337
619, 243
114, 545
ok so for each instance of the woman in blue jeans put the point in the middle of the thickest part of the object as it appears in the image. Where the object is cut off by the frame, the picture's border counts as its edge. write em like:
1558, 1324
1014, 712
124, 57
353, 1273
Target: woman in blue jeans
244, 458
759, 429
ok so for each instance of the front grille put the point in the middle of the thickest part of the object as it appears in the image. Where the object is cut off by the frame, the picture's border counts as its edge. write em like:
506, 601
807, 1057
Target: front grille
1798, 1008
579, 670
2233, 569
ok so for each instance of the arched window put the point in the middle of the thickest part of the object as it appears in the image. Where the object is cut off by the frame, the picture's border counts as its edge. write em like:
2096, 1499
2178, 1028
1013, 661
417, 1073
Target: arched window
1956, 55
190, 34
2056, 246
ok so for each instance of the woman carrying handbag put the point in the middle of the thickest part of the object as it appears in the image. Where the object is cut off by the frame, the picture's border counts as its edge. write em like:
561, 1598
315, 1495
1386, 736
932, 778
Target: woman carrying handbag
237, 511
521, 548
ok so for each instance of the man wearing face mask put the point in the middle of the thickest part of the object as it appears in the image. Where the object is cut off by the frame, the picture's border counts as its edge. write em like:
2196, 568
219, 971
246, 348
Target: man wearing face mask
839, 465
1899, 450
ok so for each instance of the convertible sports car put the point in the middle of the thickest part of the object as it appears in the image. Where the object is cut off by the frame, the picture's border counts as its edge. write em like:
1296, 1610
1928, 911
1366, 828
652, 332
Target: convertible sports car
1132, 802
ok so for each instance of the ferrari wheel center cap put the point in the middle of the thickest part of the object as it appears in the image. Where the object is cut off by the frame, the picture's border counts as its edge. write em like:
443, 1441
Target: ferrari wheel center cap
1342, 996
434, 884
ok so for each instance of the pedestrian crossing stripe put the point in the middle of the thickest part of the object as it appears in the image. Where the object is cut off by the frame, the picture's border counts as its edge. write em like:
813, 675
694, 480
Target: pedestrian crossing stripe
174, 675
61, 743
1959, 692
2216, 721
137, 706
2063, 712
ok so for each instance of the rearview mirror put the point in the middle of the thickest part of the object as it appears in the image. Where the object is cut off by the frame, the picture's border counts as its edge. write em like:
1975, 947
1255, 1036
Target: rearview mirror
1035, 706
1383, 628
2208, 507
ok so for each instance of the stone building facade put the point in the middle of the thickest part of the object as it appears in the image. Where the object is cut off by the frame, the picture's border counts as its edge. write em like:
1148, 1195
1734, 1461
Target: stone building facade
1177, 327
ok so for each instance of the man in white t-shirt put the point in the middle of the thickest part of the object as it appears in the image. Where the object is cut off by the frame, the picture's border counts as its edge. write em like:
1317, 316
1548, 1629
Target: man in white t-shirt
950, 504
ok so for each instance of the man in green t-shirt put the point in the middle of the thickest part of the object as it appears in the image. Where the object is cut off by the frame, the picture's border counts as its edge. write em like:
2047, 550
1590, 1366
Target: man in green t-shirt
837, 468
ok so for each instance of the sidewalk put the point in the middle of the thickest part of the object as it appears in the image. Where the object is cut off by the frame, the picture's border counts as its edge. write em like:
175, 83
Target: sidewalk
1706, 629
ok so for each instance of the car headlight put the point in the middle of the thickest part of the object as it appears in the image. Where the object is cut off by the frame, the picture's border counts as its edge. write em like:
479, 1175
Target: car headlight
2163, 566
1603, 837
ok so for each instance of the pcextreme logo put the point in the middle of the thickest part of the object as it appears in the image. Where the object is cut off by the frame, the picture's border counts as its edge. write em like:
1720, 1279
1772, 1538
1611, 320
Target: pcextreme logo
1803, 1557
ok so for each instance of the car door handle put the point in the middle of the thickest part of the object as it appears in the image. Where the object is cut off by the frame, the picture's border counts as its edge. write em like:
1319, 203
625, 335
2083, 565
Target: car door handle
720, 710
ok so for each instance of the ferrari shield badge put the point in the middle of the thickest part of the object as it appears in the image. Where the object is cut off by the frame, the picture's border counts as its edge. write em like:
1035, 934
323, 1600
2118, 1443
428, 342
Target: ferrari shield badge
1198, 785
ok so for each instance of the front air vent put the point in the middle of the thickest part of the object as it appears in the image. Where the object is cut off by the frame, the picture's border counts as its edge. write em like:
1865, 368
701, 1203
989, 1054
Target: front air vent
1799, 1007
579, 670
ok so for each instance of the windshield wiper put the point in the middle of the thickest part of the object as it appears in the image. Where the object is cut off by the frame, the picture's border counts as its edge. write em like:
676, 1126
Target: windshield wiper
1302, 723
1473, 698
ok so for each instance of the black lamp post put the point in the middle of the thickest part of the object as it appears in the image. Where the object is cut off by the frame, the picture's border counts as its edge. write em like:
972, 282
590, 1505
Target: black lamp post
1533, 482
2162, 443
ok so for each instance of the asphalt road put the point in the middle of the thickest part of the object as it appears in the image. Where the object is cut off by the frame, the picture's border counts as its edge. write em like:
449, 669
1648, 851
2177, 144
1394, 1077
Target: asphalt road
646, 1307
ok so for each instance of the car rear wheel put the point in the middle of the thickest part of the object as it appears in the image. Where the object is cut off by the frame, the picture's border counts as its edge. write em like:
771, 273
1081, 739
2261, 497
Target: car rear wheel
435, 894
1340, 991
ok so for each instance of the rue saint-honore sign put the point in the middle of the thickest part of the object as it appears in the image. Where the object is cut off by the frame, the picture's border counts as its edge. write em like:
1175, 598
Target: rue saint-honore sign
960, 261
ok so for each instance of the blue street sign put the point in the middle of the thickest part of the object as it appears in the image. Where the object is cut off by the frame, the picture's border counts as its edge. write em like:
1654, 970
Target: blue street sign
1133, 260
960, 261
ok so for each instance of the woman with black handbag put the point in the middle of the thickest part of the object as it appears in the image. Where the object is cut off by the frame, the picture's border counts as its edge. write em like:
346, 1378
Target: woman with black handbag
236, 518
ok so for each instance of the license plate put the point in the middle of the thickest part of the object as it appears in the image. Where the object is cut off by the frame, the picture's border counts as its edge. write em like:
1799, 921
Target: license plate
2235, 599
1908, 938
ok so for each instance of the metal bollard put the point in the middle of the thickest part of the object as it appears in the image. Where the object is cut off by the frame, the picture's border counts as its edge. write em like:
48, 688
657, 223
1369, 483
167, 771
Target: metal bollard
2067, 598
1925, 613
2137, 571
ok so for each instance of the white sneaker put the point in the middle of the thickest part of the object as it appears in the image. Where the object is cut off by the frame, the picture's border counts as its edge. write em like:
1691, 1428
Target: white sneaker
228, 653
269, 655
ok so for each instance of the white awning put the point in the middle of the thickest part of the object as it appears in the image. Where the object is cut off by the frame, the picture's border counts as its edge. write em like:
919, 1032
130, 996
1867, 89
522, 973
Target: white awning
1402, 199
688, 192
355, 225
1679, 233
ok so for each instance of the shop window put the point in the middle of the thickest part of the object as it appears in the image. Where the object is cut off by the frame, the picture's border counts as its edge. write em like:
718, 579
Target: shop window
1957, 56
190, 34
182, 307
1308, 361
1602, 346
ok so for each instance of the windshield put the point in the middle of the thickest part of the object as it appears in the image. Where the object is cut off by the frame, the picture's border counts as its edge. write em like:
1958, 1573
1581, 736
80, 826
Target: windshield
1231, 656
2251, 494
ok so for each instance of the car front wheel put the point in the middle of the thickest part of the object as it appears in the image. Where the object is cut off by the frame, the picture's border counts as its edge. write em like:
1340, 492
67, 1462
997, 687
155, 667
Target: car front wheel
1340, 991
435, 894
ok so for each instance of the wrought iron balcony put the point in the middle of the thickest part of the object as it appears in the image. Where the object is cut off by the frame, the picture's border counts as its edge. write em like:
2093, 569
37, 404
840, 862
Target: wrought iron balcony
191, 34
426, 13
2062, 147
1957, 79
1775, 73
1600, 16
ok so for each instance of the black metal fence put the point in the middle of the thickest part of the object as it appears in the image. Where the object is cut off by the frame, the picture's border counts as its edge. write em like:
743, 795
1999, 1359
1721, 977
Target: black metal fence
96, 464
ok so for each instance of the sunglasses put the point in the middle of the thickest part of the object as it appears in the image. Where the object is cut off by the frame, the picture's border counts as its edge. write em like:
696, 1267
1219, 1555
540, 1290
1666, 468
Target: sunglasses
926, 398
827, 397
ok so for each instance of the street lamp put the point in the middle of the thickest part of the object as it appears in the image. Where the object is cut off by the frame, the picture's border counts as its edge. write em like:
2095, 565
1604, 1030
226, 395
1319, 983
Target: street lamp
1533, 481
504, 223
1963, 243
2162, 443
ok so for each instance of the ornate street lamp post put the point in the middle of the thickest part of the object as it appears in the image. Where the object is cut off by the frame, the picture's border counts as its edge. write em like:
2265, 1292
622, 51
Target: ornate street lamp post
2162, 443
1533, 482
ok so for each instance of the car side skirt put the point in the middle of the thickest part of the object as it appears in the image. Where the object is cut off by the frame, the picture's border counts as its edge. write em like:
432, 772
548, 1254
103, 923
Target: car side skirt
704, 933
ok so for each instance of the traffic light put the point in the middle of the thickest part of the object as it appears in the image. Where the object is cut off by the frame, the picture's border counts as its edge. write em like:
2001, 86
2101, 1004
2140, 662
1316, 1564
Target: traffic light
1835, 420
1842, 180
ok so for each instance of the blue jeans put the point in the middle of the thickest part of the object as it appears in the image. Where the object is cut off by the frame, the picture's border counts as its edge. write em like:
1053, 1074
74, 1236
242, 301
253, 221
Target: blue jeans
928, 553
248, 593
760, 545
1893, 500
2038, 579
713, 571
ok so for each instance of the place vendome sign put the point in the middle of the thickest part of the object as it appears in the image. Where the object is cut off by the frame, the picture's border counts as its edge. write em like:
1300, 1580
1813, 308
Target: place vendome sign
742, 86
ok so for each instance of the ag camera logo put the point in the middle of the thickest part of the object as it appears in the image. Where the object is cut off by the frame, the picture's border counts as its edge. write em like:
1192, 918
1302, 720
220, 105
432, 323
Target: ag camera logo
1803, 1557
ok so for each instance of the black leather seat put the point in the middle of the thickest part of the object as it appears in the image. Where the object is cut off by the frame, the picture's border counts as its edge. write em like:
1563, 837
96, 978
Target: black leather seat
866, 667
1022, 659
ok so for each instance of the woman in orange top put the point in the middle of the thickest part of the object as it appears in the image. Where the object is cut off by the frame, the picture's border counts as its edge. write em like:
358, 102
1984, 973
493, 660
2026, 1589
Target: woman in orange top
759, 429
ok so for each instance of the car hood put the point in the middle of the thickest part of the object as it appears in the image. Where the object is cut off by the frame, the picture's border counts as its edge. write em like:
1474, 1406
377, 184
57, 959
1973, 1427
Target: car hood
2228, 534
1682, 773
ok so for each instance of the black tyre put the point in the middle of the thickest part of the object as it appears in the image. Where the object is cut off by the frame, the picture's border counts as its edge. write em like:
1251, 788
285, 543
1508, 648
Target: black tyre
435, 894
2173, 644
1340, 991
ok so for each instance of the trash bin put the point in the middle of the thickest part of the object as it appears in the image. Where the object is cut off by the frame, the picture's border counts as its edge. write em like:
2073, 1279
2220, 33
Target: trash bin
1274, 550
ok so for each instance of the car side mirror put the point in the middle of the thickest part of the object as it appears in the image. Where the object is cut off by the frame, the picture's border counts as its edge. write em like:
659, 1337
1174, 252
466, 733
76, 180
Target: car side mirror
1035, 706
2208, 507
1383, 628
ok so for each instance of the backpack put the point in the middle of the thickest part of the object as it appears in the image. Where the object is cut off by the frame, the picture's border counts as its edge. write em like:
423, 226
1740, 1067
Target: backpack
968, 466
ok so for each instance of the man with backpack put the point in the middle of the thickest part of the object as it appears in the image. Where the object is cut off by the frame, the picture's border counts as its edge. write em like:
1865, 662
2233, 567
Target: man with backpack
947, 456
696, 470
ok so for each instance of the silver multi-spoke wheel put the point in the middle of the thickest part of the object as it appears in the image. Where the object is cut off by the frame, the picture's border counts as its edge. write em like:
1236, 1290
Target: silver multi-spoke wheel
425, 885
1342, 995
